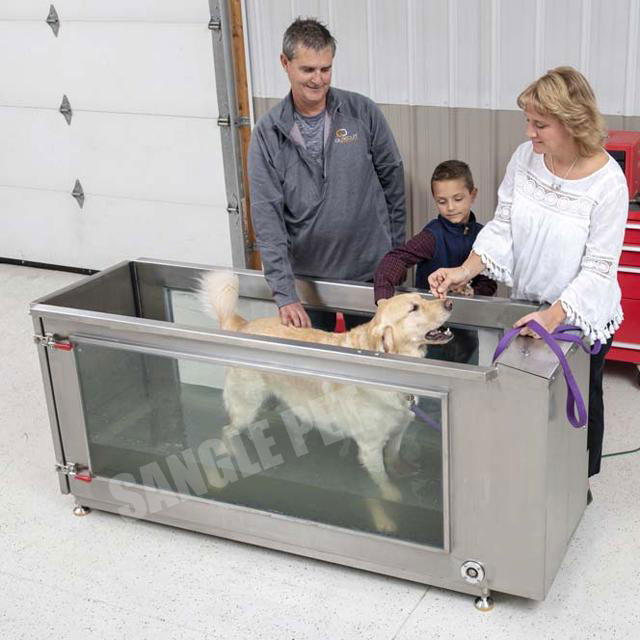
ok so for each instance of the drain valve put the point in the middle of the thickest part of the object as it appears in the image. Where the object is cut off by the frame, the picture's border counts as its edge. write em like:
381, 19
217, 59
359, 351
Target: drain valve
472, 572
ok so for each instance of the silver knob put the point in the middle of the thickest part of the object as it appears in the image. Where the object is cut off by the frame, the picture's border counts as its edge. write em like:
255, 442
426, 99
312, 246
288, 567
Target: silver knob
472, 572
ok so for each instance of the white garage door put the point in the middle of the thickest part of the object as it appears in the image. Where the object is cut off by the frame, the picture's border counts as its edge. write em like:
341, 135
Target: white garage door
143, 139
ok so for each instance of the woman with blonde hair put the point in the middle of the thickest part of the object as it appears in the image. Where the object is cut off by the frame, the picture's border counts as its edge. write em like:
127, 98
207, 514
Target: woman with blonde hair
557, 232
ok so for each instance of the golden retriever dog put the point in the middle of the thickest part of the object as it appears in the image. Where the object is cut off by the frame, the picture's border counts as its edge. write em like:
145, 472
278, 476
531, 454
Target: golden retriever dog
375, 419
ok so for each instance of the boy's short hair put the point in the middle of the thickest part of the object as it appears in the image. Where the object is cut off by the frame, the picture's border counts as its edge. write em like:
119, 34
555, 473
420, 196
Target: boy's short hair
453, 170
309, 33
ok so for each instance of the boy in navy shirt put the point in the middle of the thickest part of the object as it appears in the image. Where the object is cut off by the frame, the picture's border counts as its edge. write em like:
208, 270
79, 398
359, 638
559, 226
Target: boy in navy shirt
444, 242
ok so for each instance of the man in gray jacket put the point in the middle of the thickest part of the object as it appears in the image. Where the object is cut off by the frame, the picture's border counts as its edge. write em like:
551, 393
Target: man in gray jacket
326, 177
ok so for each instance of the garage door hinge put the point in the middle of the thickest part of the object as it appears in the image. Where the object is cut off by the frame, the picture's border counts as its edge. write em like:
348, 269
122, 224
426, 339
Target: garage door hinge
215, 24
53, 21
74, 470
78, 193
65, 109
53, 341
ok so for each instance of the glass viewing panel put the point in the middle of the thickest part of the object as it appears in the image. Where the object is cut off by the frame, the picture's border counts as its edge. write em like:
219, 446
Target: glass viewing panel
166, 422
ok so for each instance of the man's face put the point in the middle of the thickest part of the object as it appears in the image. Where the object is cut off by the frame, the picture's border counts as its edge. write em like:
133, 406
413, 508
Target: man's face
309, 73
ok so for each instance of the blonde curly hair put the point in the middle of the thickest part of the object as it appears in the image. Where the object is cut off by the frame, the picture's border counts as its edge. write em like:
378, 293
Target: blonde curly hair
566, 94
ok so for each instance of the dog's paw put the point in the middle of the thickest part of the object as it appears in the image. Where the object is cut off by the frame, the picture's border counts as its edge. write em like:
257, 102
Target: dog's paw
400, 468
382, 522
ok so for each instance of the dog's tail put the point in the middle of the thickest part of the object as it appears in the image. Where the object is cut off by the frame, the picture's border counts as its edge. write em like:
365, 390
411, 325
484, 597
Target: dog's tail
219, 296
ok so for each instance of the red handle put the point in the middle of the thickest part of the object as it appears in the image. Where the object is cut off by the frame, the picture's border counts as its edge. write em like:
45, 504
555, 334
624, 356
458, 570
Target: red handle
83, 477
63, 346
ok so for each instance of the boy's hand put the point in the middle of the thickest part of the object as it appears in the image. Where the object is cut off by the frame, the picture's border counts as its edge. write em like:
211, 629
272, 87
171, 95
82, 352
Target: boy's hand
462, 290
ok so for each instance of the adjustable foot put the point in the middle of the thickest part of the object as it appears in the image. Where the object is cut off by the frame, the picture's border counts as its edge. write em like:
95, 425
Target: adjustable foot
79, 510
484, 602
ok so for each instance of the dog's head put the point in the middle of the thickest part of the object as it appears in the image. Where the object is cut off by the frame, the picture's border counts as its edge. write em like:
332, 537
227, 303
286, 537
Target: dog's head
407, 323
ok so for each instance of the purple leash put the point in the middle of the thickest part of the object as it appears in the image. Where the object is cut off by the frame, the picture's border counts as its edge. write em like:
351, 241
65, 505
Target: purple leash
575, 402
427, 419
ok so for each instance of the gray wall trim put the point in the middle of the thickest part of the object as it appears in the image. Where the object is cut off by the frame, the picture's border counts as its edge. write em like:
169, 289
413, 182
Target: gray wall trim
231, 149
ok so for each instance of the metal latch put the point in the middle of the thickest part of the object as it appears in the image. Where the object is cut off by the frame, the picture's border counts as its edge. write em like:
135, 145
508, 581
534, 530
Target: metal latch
240, 121
53, 341
74, 470
215, 24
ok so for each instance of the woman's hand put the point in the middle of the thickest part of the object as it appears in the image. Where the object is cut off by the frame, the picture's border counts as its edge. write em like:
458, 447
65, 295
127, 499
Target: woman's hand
549, 319
442, 280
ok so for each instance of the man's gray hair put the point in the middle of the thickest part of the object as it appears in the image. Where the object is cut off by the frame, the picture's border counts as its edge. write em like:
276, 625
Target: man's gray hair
309, 33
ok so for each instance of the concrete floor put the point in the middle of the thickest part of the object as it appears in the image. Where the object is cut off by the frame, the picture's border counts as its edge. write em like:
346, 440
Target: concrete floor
105, 576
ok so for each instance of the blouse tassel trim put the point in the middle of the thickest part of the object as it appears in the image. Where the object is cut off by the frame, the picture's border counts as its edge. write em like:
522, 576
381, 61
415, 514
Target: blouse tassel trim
590, 331
494, 270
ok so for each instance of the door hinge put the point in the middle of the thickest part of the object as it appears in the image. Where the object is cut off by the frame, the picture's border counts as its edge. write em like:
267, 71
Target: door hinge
78, 193
74, 470
240, 121
54, 341
65, 109
215, 24
53, 21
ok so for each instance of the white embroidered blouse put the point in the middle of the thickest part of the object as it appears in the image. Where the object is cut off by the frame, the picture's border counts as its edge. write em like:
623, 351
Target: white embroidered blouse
562, 244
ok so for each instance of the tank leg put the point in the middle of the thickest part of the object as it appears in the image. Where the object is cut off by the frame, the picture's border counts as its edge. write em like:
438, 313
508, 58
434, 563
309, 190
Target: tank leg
485, 601
79, 510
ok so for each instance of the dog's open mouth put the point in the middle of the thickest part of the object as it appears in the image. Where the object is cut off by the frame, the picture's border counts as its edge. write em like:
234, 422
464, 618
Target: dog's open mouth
439, 336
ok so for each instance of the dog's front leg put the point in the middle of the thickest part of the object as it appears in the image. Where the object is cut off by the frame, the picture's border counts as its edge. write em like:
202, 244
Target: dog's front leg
373, 461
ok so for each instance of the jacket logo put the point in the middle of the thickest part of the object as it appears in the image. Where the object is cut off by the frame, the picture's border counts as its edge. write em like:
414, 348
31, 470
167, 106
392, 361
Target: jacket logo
343, 137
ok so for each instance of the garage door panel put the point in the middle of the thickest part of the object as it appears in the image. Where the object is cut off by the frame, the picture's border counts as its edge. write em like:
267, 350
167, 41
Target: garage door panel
110, 66
64, 234
37, 149
147, 10
30, 66
154, 158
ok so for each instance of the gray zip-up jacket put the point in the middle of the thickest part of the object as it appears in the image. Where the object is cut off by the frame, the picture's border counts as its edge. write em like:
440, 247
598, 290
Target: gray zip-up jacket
333, 221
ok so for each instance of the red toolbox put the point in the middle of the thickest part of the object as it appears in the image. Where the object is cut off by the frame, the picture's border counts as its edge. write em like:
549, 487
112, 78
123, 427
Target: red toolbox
624, 146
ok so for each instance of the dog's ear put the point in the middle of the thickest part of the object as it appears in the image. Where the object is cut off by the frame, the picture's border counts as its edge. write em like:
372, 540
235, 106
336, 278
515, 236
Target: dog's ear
388, 340
383, 338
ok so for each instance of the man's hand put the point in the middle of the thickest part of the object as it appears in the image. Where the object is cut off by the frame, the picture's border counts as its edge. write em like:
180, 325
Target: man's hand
442, 280
550, 319
294, 315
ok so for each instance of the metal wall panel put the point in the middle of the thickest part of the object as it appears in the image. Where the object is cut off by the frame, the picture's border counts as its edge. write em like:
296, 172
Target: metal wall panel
351, 30
430, 42
562, 44
266, 22
517, 26
606, 62
389, 62
459, 53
